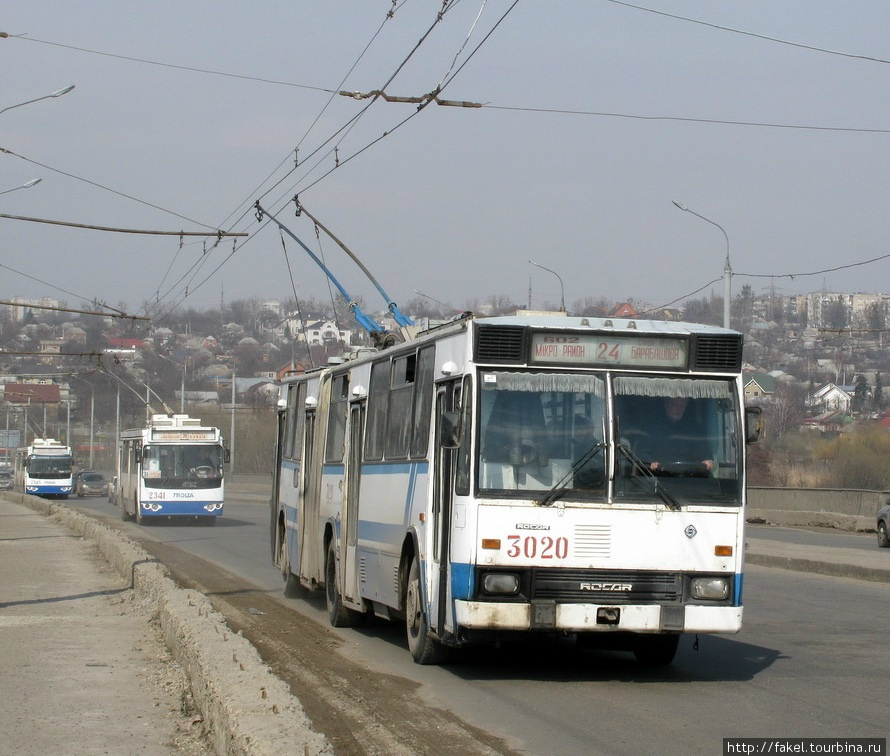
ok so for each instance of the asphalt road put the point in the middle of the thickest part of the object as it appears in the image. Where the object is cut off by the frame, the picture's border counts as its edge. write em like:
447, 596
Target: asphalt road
810, 661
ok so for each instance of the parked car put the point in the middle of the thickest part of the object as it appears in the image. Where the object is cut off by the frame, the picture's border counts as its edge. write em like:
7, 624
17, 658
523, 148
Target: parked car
884, 525
5, 480
89, 483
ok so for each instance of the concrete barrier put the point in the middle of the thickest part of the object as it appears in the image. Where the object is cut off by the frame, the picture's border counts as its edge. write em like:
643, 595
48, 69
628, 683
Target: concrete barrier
844, 509
248, 710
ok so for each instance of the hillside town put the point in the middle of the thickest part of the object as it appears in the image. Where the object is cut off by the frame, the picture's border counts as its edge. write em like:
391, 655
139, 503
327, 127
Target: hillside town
814, 361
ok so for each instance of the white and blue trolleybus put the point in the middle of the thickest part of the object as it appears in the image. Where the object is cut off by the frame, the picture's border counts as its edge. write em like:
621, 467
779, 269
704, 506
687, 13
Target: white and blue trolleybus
44, 468
171, 468
502, 477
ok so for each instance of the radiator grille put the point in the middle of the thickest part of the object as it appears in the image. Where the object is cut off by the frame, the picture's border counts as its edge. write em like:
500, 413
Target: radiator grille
606, 586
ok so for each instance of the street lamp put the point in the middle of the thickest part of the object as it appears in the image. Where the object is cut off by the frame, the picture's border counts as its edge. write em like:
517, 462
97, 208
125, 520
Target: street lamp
727, 268
562, 301
56, 93
26, 185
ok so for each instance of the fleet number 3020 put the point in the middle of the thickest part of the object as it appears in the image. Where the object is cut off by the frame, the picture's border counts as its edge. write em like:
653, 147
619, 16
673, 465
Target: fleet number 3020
537, 547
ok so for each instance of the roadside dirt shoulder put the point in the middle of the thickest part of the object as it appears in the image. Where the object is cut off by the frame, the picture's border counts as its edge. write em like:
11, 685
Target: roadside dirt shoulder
359, 712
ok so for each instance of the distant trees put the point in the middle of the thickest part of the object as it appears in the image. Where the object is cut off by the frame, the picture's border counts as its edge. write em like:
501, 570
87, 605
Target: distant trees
707, 310
860, 393
836, 314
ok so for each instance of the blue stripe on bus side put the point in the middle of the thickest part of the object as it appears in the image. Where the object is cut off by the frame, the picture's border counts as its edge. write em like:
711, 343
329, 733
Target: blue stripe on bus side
739, 580
388, 532
462, 577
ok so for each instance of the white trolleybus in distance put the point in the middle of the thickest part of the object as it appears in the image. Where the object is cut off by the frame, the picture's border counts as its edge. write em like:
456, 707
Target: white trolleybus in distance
44, 469
500, 477
172, 468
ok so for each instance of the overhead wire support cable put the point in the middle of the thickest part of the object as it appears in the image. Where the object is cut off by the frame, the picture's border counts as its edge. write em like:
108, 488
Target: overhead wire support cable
422, 100
218, 233
116, 314
401, 319
376, 331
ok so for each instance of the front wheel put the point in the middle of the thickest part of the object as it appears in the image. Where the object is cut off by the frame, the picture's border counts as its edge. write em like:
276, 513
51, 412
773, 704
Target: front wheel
883, 537
423, 648
339, 615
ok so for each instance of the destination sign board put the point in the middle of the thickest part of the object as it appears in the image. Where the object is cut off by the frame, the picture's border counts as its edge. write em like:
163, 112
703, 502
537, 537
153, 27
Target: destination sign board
606, 350
183, 435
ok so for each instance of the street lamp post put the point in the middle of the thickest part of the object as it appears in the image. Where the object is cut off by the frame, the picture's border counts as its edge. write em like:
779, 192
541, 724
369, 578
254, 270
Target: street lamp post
56, 93
727, 268
26, 185
562, 300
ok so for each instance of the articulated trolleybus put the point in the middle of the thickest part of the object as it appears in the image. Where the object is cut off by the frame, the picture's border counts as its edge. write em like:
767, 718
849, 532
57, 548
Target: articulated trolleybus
44, 468
531, 474
172, 468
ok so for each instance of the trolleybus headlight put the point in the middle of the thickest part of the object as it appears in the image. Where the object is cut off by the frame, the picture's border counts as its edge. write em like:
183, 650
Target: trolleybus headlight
500, 582
714, 588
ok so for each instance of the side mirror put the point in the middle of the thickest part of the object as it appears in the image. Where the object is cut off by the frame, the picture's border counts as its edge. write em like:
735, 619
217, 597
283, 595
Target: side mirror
449, 430
137, 454
227, 455
753, 424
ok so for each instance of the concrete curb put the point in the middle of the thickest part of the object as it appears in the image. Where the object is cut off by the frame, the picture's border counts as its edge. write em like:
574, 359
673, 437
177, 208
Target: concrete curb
248, 710
857, 572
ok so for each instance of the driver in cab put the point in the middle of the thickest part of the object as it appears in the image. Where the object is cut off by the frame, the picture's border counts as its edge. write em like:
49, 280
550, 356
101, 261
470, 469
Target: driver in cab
677, 436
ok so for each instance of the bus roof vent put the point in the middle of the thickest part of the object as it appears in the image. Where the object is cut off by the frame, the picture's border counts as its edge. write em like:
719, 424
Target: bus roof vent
718, 353
499, 344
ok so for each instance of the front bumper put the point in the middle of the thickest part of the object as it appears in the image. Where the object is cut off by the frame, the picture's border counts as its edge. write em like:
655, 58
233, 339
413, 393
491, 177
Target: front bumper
585, 618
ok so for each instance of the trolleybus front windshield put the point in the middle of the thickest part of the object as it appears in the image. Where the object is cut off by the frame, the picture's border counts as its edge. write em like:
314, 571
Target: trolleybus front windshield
182, 466
57, 466
544, 430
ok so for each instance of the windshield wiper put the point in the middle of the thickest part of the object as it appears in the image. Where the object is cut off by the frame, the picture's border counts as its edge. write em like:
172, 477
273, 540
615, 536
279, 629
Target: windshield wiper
660, 491
560, 487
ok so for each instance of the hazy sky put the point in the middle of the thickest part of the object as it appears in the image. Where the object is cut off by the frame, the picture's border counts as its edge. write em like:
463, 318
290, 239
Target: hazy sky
597, 114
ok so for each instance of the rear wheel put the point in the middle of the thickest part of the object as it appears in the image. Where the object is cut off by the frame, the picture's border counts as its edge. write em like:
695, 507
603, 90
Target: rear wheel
339, 615
656, 650
883, 537
423, 648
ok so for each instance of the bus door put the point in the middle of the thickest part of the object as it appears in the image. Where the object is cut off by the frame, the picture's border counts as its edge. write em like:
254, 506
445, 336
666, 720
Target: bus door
351, 588
445, 464
311, 558
275, 499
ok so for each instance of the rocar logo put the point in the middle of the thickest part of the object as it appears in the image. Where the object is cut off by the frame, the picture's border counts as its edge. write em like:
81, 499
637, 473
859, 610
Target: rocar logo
618, 587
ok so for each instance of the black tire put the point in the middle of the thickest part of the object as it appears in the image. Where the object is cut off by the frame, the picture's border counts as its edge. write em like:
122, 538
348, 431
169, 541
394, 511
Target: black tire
138, 515
339, 615
656, 650
883, 537
424, 649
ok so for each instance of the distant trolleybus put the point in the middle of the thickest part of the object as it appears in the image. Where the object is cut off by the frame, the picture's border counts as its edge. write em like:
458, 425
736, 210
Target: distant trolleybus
500, 477
44, 468
172, 468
